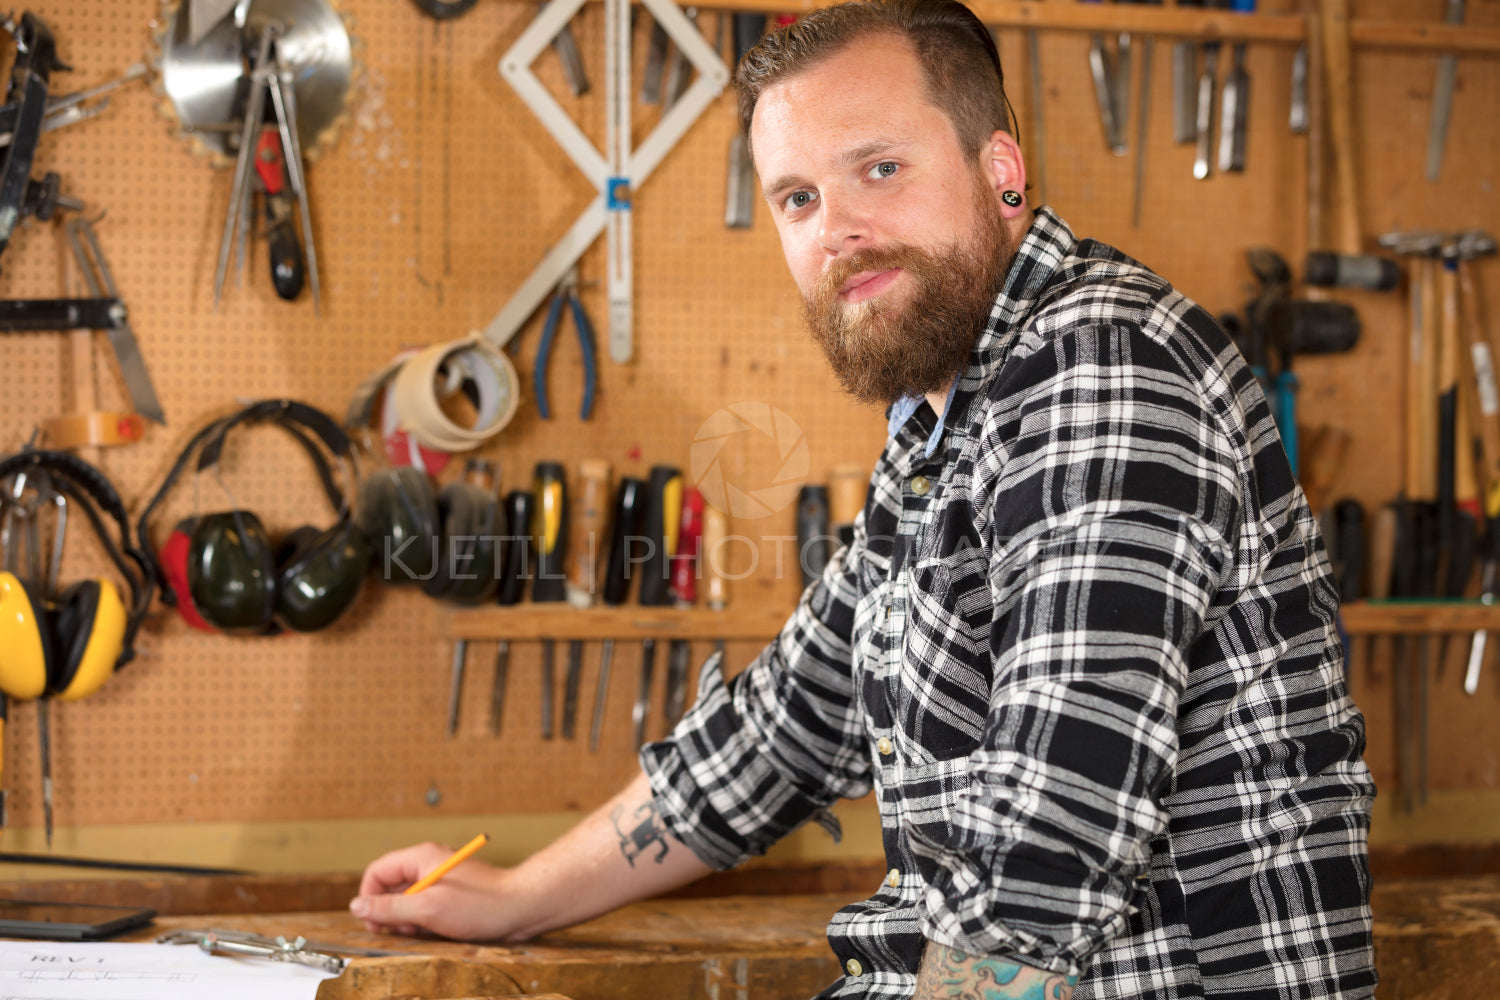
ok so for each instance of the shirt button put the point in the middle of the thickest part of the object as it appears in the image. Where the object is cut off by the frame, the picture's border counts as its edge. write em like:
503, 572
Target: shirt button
920, 485
884, 746
893, 879
854, 967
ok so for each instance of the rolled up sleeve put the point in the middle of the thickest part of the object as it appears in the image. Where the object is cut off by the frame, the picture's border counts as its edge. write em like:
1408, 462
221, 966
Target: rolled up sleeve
758, 756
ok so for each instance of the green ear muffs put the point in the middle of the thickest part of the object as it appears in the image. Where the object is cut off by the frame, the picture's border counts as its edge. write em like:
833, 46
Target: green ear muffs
398, 515
231, 577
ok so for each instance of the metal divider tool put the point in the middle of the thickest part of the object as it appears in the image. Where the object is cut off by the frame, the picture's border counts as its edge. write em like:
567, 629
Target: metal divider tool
549, 525
267, 76
512, 590
583, 577
625, 528
663, 513
620, 170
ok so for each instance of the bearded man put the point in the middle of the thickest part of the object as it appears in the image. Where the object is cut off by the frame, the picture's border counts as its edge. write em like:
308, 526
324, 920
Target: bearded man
1082, 646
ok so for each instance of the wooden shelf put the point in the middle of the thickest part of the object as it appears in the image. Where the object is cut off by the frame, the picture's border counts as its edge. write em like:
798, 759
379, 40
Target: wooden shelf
1187, 22
560, 621
1419, 617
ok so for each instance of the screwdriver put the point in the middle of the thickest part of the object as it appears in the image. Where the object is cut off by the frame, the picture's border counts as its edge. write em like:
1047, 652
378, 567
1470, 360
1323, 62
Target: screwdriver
663, 509
1382, 557
625, 528
684, 594
715, 531
846, 497
583, 579
812, 532
549, 525
517, 563
1349, 541
482, 474
1403, 584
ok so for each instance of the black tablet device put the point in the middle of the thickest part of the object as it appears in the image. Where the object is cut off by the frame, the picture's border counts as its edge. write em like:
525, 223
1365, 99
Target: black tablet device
68, 921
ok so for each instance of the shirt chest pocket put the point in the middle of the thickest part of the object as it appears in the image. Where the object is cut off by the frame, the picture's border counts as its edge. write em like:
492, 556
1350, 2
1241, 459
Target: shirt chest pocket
942, 685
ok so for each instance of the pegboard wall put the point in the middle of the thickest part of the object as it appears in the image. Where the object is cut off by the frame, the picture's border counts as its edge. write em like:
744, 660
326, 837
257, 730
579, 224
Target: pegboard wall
439, 195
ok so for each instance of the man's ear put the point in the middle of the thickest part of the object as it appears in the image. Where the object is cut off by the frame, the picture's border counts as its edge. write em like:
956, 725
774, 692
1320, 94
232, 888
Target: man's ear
1004, 167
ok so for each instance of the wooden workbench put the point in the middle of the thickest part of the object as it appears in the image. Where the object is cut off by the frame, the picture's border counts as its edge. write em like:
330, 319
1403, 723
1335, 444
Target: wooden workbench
1436, 938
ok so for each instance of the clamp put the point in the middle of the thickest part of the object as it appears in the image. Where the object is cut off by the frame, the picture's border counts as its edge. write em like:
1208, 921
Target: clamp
567, 292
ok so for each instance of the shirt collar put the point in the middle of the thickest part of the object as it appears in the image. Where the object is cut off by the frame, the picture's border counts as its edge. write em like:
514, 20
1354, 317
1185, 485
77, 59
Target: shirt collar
1046, 244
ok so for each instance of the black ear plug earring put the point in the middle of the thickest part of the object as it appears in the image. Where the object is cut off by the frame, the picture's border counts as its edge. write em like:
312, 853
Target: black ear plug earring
1011, 198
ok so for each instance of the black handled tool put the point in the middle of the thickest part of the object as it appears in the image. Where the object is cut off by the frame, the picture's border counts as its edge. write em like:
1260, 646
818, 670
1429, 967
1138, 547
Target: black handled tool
663, 511
517, 570
625, 529
812, 532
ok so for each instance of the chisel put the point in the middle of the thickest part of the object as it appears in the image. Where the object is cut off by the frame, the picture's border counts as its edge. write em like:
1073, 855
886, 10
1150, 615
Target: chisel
1204, 120
1403, 584
812, 532
1382, 559
846, 497
549, 526
1487, 598
739, 199
1233, 115
1185, 86
517, 571
625, 529
679, 70
715, 531
1442, 96
583, 578
663, 510
684, 594
656, 61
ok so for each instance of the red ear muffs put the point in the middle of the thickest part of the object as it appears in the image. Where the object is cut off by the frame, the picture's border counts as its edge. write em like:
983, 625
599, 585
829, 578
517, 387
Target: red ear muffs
174, 558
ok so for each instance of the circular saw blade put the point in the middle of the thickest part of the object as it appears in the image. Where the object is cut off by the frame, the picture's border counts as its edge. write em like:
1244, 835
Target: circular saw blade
206, 83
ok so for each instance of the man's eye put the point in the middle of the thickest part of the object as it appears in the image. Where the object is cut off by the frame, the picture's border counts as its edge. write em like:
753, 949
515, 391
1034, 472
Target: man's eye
885, 169
798, 199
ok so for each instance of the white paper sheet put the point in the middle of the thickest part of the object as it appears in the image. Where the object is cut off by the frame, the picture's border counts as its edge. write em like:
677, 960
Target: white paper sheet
54, 971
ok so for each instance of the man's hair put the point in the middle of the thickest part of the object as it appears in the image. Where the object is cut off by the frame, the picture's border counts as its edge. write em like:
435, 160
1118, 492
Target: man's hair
960, 63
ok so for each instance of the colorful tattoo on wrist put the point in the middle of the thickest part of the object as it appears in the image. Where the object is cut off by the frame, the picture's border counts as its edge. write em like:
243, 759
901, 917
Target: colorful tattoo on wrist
951, 974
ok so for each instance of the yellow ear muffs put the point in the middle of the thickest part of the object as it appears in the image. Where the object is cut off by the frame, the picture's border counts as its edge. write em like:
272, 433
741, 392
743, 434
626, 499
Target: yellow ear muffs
25, 643
89, 634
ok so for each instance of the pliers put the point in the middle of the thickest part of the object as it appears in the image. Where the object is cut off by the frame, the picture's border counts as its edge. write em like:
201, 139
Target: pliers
567, 291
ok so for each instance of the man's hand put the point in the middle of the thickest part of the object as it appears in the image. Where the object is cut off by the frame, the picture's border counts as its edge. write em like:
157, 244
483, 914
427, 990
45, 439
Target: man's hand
467, 904
620, 853
951, 974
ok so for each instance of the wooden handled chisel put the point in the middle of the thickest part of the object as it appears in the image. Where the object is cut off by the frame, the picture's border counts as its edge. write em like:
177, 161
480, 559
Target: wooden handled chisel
549, 527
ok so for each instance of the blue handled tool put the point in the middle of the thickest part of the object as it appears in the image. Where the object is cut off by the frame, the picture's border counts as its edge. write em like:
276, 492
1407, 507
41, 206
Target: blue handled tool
567, 292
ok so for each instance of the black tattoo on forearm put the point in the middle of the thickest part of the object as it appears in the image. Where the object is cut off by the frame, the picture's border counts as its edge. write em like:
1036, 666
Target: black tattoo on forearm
950, 974
648, 831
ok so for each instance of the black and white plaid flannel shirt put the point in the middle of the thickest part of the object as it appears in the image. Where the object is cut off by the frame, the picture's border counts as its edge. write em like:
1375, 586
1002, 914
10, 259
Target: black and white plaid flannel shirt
1084, 653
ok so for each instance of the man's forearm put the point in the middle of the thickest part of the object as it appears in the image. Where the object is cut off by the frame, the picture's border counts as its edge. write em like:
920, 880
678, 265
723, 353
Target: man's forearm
620, 853
951, 974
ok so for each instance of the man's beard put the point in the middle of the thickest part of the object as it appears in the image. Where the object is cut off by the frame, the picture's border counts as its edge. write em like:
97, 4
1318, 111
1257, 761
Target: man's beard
882, 352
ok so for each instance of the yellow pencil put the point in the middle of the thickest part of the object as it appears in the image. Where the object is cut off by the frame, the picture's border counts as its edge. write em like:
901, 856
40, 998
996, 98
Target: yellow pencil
457, 858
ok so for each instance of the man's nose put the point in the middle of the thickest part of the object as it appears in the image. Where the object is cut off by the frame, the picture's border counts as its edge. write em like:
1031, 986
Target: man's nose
842, 225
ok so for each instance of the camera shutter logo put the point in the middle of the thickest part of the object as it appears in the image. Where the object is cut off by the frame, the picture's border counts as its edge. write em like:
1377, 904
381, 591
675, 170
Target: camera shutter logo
758, 489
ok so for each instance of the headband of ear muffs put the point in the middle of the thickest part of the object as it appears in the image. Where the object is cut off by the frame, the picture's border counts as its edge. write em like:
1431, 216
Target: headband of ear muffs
234, 578
70, 650
398, 515
468, 558
317, 573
